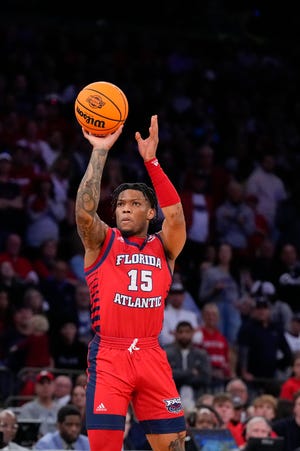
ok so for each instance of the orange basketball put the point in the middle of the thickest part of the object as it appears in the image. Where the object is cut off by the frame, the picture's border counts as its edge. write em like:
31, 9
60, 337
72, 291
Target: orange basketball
101, 107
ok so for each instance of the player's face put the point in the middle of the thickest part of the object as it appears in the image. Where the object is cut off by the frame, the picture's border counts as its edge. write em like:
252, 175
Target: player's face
133, 213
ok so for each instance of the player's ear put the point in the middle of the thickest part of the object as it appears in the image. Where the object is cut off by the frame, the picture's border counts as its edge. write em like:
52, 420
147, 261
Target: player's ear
151, 213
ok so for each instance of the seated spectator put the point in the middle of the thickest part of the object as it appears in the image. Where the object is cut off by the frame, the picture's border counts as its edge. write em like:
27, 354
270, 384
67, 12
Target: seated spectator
256, 426
45, 259
292, 334
215, 344
44, 214
59, 291
6, 313
13, 218
43, 408
190, 365
288, 276
63, 386
292, 384
204, 417
281, 312
289, 427
13, 253
175, 313
17, 332
10, 282
235, 221
67, 350
36, 345
265, 406
82, 313
241, 397
34, 299
9, 428
78, 399
67, 434
259, 343
189, 302
224, 405
219, 285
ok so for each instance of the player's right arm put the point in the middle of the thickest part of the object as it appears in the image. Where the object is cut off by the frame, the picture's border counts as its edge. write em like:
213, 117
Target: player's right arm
91, 229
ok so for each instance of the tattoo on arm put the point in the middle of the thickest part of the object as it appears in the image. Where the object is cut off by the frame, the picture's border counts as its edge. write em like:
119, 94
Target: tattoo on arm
88, 194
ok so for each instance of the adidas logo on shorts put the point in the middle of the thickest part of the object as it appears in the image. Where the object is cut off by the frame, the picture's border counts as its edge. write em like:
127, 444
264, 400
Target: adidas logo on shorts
101, 408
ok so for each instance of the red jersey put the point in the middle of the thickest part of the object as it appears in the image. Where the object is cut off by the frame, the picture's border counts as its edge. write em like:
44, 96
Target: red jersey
289, 388
217, 348
128, 285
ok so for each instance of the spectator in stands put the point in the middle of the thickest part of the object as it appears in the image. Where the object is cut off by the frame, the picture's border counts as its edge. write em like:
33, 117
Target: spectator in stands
44, 214
292, 384
289, 427
204, 417
63, 386
10, 282
190, 365
13, 252
215, 344
59, 291
44, 261
256, 426
67, 350
189, 302
82, 312
267, 186
36, 345
199, 211
67, 434
11, 201
6, 312
240, 395
259, 343
175, 313
281, 312
288, 276
78, 399
261, 231
224, 406
264, 264
33, 298
235, 221
218, 285
265, 406
218, 177
18, 331
287, 218
292, 334
9, 428
43, 408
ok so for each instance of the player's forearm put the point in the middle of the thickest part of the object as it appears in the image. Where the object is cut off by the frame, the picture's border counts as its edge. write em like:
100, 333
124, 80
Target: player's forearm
88, 194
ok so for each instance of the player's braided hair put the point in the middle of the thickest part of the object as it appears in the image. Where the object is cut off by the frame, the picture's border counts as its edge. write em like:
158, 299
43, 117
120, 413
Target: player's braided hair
148, 192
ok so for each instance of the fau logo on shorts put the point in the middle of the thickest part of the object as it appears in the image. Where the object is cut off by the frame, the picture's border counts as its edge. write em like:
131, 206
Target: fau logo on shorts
173, 405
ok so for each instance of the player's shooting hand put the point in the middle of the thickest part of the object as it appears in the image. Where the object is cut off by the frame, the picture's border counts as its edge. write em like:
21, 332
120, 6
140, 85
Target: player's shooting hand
103, 142
147, 147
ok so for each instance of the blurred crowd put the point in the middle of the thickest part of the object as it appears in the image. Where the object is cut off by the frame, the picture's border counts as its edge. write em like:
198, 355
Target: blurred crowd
228, 113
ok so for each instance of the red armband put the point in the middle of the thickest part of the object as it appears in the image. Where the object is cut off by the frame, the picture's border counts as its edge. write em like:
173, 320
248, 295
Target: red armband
164, 189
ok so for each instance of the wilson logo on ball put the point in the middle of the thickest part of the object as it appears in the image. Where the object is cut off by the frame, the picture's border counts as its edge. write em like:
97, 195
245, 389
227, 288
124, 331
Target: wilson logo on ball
89, 120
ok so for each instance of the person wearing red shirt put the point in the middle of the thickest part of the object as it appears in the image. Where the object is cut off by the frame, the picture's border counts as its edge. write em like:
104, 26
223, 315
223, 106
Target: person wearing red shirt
292, 384
215, 344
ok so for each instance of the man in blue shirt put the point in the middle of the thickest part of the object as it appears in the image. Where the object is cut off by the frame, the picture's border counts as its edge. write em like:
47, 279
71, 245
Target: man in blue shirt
68, 434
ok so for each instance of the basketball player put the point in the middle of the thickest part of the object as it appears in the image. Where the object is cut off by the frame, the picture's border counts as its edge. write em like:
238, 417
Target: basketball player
129, 274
